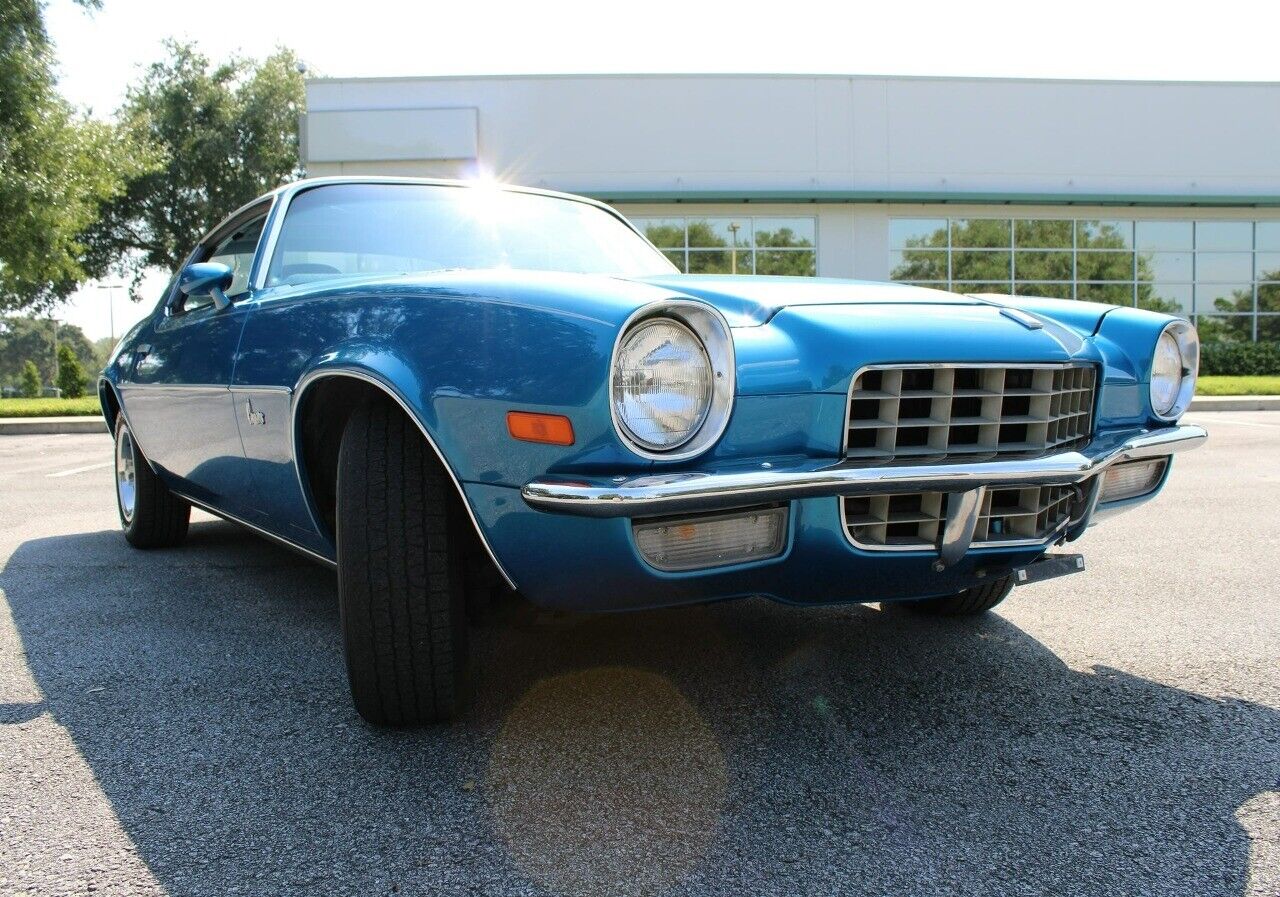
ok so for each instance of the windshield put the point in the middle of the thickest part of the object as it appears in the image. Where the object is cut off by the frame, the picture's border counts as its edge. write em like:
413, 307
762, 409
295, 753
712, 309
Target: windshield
344, 229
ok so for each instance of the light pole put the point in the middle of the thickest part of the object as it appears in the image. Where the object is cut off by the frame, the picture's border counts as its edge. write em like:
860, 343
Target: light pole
111, 306
57, 367
733, 253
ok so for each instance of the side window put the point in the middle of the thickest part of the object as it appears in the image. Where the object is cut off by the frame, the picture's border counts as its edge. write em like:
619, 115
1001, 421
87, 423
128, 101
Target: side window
236, 251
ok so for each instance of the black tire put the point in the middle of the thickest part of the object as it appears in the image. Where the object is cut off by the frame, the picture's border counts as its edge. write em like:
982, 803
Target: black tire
400, 575
159, 519
968, 603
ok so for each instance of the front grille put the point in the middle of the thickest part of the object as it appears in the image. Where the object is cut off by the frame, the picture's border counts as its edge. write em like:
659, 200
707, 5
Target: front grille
969, 413
914, 519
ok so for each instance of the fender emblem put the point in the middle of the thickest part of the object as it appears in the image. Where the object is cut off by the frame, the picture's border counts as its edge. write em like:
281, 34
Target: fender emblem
256, 418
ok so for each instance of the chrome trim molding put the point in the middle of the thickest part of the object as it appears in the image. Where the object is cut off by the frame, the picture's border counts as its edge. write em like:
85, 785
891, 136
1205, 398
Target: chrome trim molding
287, 390
232, 518
1029, 321
675, 493
300, 390
179, 387
208, 387
711, 328
1188, 341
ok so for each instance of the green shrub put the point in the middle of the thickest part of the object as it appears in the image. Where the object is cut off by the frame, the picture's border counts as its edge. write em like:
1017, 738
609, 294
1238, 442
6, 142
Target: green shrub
1240, 359
71, 378
30, 379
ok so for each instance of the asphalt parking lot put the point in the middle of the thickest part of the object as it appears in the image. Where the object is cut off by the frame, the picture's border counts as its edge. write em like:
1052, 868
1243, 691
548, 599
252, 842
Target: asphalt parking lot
178, 723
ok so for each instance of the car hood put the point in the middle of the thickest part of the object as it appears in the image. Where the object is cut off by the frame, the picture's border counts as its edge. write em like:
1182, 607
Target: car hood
816, 348
749, 301
753, 300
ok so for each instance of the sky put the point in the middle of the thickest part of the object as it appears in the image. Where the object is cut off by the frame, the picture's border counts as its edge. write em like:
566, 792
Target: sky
101, 53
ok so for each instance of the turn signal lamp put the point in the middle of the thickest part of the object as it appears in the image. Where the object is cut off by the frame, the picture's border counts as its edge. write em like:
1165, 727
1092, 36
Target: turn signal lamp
695, 543
552, 429
1131, 479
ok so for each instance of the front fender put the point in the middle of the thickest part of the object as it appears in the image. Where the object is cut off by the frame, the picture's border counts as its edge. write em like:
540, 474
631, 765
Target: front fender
354, 366
1132, 334
459, 357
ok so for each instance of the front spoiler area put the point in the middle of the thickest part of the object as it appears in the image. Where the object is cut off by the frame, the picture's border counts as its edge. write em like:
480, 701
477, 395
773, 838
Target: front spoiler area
654, 495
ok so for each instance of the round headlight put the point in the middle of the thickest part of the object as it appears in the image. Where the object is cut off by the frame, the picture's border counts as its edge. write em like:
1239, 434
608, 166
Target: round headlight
1173, 370
1166, 374
662, 384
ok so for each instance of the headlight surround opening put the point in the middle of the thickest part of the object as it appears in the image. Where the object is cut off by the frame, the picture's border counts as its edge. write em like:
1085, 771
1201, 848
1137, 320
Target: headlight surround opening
1174, 366
671, 380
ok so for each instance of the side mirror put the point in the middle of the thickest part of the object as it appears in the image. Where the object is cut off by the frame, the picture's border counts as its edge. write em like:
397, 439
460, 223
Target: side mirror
207, 279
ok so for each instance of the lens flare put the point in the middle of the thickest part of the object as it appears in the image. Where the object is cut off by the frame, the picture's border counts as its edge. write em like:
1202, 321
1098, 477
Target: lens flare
596, 773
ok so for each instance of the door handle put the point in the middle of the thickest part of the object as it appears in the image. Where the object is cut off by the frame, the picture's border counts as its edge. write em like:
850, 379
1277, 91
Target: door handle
140, 353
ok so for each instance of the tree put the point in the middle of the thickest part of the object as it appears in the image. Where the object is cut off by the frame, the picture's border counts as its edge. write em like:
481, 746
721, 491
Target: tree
102, 349
30, 380
711, 252
226, 133
23, 338
771, 260
1051, 254
1236, 320
71, 378
56, 166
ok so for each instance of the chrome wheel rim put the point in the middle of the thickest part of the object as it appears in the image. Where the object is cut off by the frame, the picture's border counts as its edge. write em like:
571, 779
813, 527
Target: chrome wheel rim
126, 474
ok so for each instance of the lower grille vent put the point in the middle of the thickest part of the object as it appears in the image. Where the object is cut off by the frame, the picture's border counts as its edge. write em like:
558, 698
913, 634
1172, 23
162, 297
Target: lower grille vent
913, 520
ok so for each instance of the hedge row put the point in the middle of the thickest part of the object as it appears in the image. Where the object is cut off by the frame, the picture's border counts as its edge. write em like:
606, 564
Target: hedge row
1240, 359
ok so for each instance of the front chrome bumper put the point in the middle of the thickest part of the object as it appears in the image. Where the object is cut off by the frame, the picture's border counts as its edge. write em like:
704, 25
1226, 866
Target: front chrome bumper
652, 495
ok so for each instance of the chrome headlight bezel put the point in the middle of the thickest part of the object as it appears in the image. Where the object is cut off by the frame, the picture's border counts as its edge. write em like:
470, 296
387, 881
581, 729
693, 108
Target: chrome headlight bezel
712, 331
1187, 341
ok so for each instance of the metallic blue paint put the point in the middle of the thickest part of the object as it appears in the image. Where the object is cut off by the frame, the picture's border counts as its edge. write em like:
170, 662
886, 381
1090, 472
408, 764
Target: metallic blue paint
202, 278
820, 566
212, 402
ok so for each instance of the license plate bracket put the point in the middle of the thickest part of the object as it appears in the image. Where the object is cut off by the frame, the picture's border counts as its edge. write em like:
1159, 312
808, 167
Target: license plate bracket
1051, 566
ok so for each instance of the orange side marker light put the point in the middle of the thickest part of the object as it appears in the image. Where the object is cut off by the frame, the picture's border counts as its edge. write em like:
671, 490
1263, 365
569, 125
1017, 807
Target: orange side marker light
552, 429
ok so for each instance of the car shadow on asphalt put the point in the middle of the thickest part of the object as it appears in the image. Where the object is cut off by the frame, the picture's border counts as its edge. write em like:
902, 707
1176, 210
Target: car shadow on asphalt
736, 748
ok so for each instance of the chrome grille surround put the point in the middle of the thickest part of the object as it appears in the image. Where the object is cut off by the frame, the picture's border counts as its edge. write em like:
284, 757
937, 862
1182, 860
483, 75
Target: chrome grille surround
926, 413
912, 521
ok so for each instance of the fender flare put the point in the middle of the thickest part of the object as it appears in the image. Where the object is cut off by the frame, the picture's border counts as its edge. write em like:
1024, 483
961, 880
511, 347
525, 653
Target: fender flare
376, 380
111, 386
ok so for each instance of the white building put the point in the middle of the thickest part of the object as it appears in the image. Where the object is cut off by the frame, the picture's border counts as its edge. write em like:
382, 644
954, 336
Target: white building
1161, 194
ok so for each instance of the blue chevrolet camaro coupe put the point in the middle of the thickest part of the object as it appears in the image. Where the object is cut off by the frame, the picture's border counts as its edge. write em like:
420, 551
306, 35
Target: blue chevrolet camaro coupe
445, 389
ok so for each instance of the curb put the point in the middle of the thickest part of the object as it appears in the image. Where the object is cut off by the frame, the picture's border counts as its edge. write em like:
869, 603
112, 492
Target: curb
27, 426
1235, 403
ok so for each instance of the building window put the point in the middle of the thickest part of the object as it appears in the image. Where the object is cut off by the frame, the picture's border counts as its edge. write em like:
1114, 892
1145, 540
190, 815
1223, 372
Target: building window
1224, 275
742, 245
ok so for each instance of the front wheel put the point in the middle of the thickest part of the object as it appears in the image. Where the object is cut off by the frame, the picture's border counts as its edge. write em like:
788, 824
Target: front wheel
400, 574
150, 515
968, 603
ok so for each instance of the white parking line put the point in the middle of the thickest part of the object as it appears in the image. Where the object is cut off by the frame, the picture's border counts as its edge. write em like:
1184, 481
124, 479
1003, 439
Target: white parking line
76, 470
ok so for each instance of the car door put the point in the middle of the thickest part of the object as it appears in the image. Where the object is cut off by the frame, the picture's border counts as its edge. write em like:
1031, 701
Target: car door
178, 393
